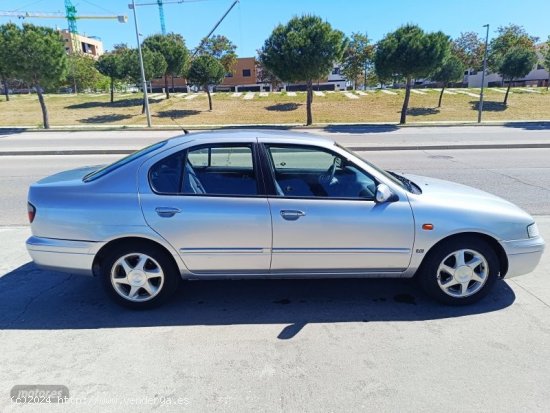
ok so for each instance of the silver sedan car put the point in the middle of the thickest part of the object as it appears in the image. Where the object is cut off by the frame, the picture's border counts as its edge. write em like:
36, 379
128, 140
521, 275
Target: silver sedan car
271, 204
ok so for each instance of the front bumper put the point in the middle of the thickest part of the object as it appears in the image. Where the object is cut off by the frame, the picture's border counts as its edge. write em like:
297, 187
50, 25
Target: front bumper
75, 257
523, 255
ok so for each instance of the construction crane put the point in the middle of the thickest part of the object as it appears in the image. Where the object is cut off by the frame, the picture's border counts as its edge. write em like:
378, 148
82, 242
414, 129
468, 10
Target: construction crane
58, 15
203, 41
70, 15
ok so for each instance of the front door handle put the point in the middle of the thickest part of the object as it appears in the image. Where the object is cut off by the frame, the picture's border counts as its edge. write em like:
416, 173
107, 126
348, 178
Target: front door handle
167, 212
291, 214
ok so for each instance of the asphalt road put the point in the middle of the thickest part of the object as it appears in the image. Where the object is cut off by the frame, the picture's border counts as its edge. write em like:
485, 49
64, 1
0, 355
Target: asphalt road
366, 136
282, 346
519, 175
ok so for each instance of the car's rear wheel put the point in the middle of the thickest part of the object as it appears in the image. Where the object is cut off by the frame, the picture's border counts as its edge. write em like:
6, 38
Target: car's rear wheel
139, 276
461, 271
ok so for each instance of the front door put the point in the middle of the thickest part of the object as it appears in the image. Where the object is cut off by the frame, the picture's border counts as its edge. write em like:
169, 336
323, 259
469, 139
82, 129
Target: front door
207, 203
325, 219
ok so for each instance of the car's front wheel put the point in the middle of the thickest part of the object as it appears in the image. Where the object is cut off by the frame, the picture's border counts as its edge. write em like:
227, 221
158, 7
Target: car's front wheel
461, 271
139, 276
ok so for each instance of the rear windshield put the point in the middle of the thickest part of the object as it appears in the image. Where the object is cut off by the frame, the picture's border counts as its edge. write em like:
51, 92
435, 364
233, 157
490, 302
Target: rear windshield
121, 162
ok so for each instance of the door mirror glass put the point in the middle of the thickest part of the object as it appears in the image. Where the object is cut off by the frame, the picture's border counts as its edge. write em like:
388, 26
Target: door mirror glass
384, 194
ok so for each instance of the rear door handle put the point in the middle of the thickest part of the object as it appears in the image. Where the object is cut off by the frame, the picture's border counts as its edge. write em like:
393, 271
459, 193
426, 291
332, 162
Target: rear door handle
167, 212
291, 214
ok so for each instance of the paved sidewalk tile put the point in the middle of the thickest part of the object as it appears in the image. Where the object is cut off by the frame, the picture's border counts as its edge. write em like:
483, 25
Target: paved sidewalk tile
350, 95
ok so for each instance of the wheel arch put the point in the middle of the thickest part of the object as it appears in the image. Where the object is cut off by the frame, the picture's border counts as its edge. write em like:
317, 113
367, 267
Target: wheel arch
492, 242
134, 240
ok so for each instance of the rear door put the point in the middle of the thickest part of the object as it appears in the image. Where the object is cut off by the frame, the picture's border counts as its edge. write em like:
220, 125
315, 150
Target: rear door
208, 202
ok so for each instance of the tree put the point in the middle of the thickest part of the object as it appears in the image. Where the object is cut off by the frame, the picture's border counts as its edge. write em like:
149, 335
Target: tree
172, 47
206, 71
221, 48
451, 70
516, 63
546, 55
469, 48
508, 37
41, 61
410, 53
304, 49
112, 65
512, 54
83, 72
9, 37
357, 58
154, 65
266, 76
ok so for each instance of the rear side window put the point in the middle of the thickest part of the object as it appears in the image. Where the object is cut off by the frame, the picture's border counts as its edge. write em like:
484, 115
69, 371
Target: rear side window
220, 170
209, 170
166, 175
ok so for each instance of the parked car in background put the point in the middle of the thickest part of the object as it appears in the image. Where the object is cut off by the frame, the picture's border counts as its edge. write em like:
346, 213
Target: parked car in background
271, 204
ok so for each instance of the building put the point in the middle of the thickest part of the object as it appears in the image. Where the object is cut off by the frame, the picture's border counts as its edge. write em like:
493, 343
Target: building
247, 77
536, 77
91, 46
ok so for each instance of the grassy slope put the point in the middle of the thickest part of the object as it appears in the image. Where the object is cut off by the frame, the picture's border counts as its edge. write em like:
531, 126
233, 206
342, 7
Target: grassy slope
276, 108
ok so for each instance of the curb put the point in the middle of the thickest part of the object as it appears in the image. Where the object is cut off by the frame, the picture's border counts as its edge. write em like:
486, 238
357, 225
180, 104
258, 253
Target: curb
353, 148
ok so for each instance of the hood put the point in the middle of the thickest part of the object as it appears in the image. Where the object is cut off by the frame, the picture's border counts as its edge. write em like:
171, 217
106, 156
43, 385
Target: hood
465, 197
70, 175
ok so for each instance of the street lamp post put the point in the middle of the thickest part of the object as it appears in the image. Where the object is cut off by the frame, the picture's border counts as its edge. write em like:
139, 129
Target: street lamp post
480, 109
143, 81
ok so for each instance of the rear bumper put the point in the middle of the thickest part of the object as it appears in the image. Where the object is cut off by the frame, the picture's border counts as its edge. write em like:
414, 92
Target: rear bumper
74, 257
523, 255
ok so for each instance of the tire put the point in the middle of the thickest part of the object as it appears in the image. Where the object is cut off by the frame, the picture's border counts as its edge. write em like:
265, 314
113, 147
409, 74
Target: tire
139, 275
445, 278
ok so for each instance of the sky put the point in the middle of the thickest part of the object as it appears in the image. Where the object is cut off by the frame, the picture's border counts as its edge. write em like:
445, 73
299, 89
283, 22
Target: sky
251, 21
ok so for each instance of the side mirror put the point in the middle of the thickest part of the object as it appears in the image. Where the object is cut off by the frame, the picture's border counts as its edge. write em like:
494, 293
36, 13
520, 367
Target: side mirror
384, 194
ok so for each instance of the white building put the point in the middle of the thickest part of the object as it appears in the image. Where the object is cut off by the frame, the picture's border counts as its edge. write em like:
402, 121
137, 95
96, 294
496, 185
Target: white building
536, 77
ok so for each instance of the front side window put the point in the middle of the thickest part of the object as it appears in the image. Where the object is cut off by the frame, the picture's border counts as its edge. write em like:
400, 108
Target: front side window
303, 171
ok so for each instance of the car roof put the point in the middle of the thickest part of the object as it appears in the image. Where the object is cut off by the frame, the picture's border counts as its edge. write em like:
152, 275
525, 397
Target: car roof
266, 135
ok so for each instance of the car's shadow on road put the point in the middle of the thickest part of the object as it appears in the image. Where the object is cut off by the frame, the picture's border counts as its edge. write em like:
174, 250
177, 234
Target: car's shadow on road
33, 299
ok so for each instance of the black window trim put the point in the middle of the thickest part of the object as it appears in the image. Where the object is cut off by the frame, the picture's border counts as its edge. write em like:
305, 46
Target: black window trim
270, 169
260, 182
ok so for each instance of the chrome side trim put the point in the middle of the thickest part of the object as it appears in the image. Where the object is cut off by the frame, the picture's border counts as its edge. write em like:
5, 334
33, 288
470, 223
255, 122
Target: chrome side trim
342, 250
224, 250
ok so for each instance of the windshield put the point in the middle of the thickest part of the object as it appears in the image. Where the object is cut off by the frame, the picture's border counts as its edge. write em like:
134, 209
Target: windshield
386, 174
121, 162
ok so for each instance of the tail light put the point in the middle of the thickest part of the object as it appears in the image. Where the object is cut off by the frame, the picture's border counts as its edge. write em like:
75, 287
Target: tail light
31, 211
